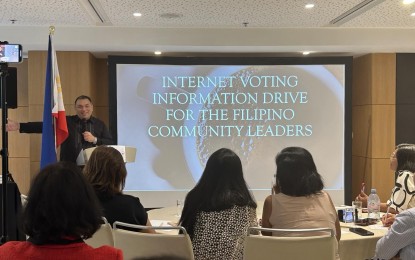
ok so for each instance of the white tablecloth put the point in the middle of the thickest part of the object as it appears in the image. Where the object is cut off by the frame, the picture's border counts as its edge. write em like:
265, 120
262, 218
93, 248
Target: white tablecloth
351, 246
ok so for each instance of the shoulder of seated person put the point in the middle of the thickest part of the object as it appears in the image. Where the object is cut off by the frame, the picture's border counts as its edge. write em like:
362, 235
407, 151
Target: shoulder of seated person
408, 212
405, 172
129, 196
269, 198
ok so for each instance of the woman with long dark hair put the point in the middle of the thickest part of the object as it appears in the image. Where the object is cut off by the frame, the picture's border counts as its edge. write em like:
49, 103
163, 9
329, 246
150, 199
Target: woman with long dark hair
219, 209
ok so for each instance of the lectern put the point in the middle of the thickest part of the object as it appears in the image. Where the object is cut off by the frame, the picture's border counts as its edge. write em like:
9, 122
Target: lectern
128, 154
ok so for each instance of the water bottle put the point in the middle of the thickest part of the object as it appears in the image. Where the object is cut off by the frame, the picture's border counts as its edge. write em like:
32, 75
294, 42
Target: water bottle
373, 205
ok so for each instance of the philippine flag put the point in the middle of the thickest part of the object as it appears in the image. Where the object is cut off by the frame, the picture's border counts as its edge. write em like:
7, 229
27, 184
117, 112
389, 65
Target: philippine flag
55, 129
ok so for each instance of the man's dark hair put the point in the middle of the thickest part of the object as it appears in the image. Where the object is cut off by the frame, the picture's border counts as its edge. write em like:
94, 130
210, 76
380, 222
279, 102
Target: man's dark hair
61, 204
83, 97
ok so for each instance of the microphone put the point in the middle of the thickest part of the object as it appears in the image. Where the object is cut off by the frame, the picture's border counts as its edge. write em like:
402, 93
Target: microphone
84, 125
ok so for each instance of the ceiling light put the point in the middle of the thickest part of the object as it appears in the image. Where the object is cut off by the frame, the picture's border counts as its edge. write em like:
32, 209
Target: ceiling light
95, 11
171, 15
407, 2
306, 52
355, 11
137, 14
309, 6
413, 14
157, 52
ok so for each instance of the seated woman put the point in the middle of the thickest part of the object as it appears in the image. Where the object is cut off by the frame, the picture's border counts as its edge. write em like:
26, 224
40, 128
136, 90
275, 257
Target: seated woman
402, 161
106, 171
62, 210
299, 200
219, 209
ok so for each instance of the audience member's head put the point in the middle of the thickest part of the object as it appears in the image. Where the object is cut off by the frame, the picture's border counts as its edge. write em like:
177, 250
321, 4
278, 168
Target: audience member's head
393, 162
222, 183
405, 158
62, 204
106, 171
296, 173
221, 186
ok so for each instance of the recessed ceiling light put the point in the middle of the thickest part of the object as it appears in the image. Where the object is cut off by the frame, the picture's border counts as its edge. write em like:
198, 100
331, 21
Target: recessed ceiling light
309, 6
171, 15
137, 14
407, 2
157, 52
306, 52
413, 14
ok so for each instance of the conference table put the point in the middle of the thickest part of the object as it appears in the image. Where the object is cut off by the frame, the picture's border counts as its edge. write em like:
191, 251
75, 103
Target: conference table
351, 246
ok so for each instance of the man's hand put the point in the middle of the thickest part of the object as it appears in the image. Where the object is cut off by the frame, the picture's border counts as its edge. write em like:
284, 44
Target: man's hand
88, 137
12, 125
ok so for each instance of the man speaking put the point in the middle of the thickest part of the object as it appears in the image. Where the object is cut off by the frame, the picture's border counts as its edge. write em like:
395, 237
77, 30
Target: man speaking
85, 131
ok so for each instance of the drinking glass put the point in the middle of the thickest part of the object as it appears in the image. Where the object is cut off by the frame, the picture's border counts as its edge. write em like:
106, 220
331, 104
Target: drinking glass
179, 204
357, 209
348, 215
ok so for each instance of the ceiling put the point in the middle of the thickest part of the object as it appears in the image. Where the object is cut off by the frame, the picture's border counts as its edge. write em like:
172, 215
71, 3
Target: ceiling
267, 27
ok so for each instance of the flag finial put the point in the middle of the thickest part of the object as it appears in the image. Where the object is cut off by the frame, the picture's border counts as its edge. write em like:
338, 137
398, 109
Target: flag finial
51, 30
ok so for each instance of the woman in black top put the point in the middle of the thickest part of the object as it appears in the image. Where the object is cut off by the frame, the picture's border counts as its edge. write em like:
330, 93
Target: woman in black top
106, 171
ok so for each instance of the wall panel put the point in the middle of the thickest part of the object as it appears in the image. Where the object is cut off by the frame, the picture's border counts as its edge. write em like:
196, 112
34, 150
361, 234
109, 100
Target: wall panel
374, 87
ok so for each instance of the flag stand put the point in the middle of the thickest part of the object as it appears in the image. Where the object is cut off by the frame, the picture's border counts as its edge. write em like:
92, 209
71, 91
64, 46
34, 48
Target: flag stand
4, 151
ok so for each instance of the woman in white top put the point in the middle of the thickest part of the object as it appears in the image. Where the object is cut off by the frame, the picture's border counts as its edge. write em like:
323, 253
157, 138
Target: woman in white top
402, 161
300, 201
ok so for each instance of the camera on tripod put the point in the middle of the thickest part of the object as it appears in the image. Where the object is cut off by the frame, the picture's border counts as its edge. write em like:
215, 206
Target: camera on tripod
10, 53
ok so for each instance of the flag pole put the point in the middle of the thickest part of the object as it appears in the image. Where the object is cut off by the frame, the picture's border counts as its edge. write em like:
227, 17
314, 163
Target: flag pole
51, 34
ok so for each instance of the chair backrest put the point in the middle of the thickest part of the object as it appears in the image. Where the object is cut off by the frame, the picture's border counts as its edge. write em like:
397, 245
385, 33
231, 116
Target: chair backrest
323, 247
139, 245
102, 237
